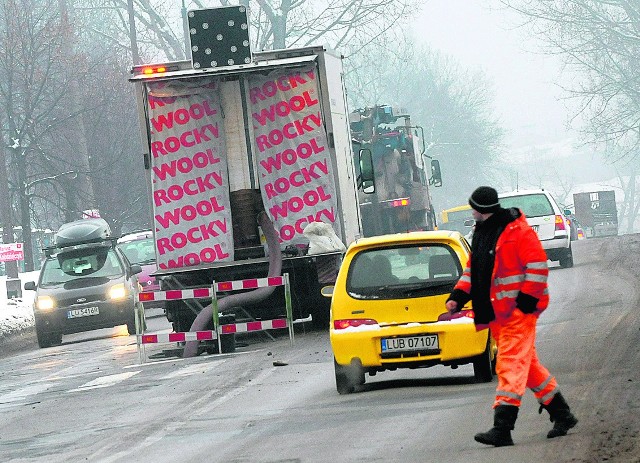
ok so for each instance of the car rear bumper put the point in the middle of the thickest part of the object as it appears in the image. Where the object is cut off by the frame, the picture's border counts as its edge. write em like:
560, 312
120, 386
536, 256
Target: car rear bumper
556, 247
458, 342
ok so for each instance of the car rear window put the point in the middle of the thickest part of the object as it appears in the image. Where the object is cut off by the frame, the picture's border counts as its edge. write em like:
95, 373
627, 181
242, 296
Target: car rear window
86, 263
403, 272
534, 205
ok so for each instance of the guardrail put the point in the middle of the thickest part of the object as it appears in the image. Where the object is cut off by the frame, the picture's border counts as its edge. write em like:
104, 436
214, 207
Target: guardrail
143, 338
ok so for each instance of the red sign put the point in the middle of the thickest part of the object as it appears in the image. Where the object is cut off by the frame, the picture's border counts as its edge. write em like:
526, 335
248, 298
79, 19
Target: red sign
11, 251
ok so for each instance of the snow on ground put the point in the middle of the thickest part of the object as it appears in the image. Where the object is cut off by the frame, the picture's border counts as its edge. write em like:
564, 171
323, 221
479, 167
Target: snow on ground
16, 315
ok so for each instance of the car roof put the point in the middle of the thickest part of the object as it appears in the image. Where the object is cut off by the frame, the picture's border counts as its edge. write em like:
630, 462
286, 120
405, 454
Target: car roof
410, 237
134, 236
523, 193
464, 207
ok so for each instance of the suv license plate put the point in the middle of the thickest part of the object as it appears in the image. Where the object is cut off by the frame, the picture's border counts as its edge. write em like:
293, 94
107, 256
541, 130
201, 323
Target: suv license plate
410, 343
85, 312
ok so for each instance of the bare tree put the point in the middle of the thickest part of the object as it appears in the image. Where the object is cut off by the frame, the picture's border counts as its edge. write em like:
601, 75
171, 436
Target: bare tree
33, 83
450, 104
601, 40
274, 23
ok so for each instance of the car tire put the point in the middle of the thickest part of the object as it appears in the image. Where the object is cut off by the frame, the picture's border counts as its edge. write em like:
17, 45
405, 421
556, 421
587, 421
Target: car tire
45, 339
483, 366
566, 261
348, 377
48, 339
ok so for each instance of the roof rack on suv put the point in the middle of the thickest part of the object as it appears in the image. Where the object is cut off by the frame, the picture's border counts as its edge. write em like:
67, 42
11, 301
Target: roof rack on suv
79, 234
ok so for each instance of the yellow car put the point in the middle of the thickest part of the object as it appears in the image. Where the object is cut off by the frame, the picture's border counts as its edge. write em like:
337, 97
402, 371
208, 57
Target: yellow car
388, 309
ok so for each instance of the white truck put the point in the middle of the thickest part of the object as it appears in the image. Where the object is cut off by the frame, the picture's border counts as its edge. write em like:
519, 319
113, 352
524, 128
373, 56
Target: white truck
225, 142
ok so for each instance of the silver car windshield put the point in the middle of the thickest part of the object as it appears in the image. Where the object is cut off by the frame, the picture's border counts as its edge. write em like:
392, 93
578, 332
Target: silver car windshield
89, 263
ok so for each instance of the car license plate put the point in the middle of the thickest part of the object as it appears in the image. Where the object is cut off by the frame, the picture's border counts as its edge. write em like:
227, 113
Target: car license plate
535, 228
410, 343
84, 312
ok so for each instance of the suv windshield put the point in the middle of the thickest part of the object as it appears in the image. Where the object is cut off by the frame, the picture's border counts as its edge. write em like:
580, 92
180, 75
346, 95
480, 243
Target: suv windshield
140, 251
534, 205
70, 266
407, 271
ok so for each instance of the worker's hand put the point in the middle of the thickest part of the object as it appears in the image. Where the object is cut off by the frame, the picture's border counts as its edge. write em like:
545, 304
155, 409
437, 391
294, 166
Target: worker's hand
452, 306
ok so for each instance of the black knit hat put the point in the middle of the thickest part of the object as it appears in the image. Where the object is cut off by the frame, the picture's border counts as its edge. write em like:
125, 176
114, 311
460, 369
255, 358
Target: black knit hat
484, 200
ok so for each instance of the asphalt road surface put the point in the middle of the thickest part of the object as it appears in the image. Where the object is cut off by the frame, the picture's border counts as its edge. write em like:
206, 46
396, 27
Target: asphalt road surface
91, 399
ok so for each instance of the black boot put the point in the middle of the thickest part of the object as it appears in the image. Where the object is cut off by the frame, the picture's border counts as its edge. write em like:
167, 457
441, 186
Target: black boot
504, 419
560, 415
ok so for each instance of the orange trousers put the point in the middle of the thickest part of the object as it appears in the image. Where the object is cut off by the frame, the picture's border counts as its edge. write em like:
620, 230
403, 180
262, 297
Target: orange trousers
518, 367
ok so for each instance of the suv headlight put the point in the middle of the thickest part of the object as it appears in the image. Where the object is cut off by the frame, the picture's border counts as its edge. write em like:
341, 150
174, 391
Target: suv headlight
45, 303
118, 291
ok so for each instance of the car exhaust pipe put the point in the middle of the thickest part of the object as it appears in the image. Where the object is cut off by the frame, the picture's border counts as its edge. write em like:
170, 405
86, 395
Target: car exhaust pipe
249, 297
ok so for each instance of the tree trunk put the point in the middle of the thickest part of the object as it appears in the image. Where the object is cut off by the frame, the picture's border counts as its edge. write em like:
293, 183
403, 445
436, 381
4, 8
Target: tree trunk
280, 25
11, 267
84, 190
25, 205
632, 203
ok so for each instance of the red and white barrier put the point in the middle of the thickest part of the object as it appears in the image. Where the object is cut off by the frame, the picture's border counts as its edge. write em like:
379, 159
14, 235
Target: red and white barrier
203, 293
180, 294
178, 337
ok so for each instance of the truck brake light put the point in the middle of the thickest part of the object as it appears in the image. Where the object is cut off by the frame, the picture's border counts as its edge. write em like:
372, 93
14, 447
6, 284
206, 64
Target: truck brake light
560, 223
401, 202
154, 70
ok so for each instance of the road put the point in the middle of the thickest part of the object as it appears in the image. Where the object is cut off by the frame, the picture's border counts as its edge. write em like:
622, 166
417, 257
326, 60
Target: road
91, 400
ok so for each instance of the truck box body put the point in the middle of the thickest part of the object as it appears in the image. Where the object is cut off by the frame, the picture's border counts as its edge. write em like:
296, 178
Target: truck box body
596, 211
224, 143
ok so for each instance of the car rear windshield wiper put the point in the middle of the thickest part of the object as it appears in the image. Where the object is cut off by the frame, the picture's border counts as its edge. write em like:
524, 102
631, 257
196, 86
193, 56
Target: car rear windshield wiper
429, 286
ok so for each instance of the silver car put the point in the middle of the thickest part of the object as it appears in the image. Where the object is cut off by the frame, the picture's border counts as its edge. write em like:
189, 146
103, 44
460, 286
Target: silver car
547, 219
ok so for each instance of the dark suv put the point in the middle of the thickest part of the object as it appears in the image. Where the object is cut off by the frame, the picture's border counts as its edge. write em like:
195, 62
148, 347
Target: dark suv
85, 284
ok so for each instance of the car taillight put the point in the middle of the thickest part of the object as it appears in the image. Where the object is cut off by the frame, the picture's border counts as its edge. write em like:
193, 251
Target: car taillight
560, 223
445, 317
352, 323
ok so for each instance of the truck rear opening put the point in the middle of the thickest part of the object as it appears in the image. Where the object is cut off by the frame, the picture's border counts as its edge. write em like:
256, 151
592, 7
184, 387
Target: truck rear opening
224, 143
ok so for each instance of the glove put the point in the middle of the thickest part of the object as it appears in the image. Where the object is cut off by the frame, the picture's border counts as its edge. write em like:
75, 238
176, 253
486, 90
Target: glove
460, 297
526, 303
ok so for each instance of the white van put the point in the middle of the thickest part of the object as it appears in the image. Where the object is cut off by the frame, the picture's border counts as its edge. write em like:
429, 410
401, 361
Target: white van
546, 218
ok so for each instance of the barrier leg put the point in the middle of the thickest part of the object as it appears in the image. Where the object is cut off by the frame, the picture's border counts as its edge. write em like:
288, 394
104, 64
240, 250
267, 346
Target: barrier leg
216, 316
287, 300
139, 321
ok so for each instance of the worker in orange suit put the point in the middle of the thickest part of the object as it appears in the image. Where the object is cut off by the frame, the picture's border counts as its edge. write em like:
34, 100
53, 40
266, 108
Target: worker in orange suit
506, 281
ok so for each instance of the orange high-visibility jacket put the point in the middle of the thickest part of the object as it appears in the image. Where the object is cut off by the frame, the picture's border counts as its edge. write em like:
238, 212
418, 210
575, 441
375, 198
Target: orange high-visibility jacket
520, 266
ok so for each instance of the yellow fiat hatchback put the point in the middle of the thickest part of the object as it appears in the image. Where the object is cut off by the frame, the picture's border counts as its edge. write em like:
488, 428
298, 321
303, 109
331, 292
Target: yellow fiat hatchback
388, 309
